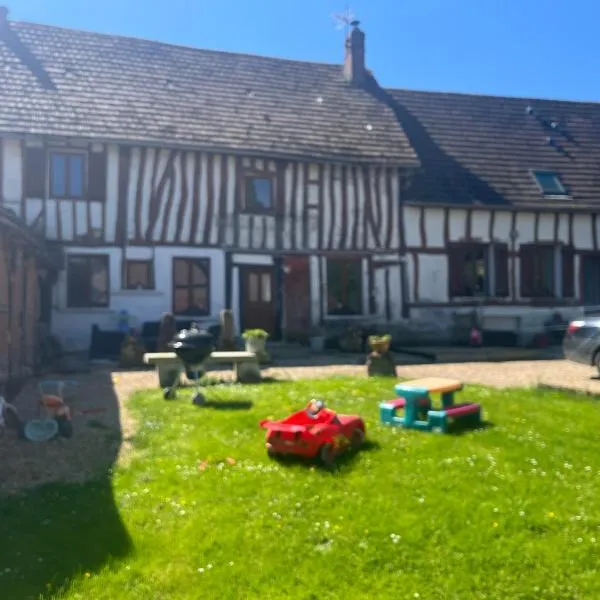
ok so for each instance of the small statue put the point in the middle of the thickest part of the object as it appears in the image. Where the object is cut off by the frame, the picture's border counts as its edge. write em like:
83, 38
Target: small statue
166, 332
227, 336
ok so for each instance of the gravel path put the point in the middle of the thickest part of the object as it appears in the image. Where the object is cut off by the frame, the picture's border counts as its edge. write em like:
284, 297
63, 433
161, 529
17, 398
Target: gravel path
558, 373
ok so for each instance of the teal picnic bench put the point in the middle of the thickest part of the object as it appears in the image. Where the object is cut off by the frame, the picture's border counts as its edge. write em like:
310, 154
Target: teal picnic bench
170, 368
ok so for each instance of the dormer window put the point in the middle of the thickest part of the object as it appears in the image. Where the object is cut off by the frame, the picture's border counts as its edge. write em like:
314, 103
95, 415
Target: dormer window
549, 183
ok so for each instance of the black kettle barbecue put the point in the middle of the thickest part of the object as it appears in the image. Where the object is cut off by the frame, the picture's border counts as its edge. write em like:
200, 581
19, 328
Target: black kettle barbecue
192, 346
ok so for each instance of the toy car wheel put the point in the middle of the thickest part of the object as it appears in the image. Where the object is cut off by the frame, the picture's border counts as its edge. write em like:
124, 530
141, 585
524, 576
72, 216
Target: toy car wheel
357, 439
327, 454
271, 453
169, 394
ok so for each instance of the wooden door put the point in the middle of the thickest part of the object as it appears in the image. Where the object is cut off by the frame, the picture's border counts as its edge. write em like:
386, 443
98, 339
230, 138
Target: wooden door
296, 291
257, 298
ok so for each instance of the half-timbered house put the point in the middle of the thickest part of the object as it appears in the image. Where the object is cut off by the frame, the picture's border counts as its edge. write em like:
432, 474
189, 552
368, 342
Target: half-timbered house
186, 180
502, 215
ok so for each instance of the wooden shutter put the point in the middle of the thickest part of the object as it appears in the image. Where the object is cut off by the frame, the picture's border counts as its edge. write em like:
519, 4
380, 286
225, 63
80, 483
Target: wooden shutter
97, 176
35, 173
455, 270
502, 287
526, 256
568, 272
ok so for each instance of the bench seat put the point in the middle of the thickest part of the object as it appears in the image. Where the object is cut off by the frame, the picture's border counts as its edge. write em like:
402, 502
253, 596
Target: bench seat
246, 365
466, 408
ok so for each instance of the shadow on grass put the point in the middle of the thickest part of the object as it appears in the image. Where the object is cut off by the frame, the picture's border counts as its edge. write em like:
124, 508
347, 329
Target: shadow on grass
209, 381
226, 404
459, 428
344, 459
58, 516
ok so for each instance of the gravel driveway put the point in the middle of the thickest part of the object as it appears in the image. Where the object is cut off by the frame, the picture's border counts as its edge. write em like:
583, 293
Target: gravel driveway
556, 373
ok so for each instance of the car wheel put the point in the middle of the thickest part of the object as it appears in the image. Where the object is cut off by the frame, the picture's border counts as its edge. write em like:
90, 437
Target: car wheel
327, 454
357, 439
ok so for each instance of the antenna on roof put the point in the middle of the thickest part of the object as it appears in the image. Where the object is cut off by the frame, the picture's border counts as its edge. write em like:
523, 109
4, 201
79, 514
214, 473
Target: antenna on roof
344, 19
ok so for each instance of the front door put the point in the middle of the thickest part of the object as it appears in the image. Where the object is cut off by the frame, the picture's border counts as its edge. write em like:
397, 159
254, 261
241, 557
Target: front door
257, 298
296, 292
590, 280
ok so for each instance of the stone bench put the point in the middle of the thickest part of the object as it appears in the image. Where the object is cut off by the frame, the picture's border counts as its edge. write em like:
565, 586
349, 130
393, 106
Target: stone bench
245, 365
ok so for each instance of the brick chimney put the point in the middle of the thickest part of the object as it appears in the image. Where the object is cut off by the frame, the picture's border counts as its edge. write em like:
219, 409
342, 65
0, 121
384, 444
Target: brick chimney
354, 61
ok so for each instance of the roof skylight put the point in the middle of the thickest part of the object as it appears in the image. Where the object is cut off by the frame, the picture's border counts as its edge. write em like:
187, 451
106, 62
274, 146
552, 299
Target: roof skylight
549, 183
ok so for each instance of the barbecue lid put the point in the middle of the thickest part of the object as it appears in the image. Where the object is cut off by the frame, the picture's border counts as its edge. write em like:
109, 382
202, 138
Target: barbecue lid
194, 336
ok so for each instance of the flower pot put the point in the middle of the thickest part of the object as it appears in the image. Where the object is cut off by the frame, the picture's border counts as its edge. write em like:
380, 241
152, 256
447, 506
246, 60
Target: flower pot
317, 343
380, 344
256, 345
380, 347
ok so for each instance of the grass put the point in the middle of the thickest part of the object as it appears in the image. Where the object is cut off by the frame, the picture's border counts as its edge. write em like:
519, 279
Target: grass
511, 511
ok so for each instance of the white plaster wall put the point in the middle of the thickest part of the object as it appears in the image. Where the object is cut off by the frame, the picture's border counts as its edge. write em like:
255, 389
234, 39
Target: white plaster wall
524, 224
412, 235
12, 169
72, 326
433, 268
433, 278
434, 219
395, 293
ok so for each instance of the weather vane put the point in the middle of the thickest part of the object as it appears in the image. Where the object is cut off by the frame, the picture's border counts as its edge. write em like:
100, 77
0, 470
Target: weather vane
344, 19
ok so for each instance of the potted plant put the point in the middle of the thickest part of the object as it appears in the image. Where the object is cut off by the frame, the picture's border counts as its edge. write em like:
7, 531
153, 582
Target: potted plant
380, 344
316, 339
380, 361
256, 340
132, 352
351, 339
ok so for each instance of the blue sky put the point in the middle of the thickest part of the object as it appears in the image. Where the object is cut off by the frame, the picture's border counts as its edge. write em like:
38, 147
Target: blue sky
534, 48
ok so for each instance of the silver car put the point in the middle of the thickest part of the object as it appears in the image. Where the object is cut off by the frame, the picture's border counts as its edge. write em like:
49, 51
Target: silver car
581, 343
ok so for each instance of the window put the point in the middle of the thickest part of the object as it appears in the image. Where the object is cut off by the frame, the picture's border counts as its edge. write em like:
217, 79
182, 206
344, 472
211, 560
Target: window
258, 194
259, 287
537, 271
469, 270
138, 275
191, 279
344, 287
87, 281
549, 183
67, 175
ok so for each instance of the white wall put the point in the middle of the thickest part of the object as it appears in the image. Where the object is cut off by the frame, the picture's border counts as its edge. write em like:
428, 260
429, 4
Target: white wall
486, 226
427, 272
72, 326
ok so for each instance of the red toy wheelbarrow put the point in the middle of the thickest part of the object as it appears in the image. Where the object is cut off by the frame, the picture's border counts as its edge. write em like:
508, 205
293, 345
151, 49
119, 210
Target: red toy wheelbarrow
314, 432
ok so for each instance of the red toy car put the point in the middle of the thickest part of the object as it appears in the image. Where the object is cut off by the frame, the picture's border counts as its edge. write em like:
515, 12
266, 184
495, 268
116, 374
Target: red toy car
314, 431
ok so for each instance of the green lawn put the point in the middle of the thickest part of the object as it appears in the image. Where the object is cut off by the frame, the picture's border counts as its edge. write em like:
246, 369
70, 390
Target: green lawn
507, 512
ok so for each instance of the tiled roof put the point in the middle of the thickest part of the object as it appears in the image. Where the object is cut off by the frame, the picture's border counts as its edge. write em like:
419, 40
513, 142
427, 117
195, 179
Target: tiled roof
64, 82
481, 149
